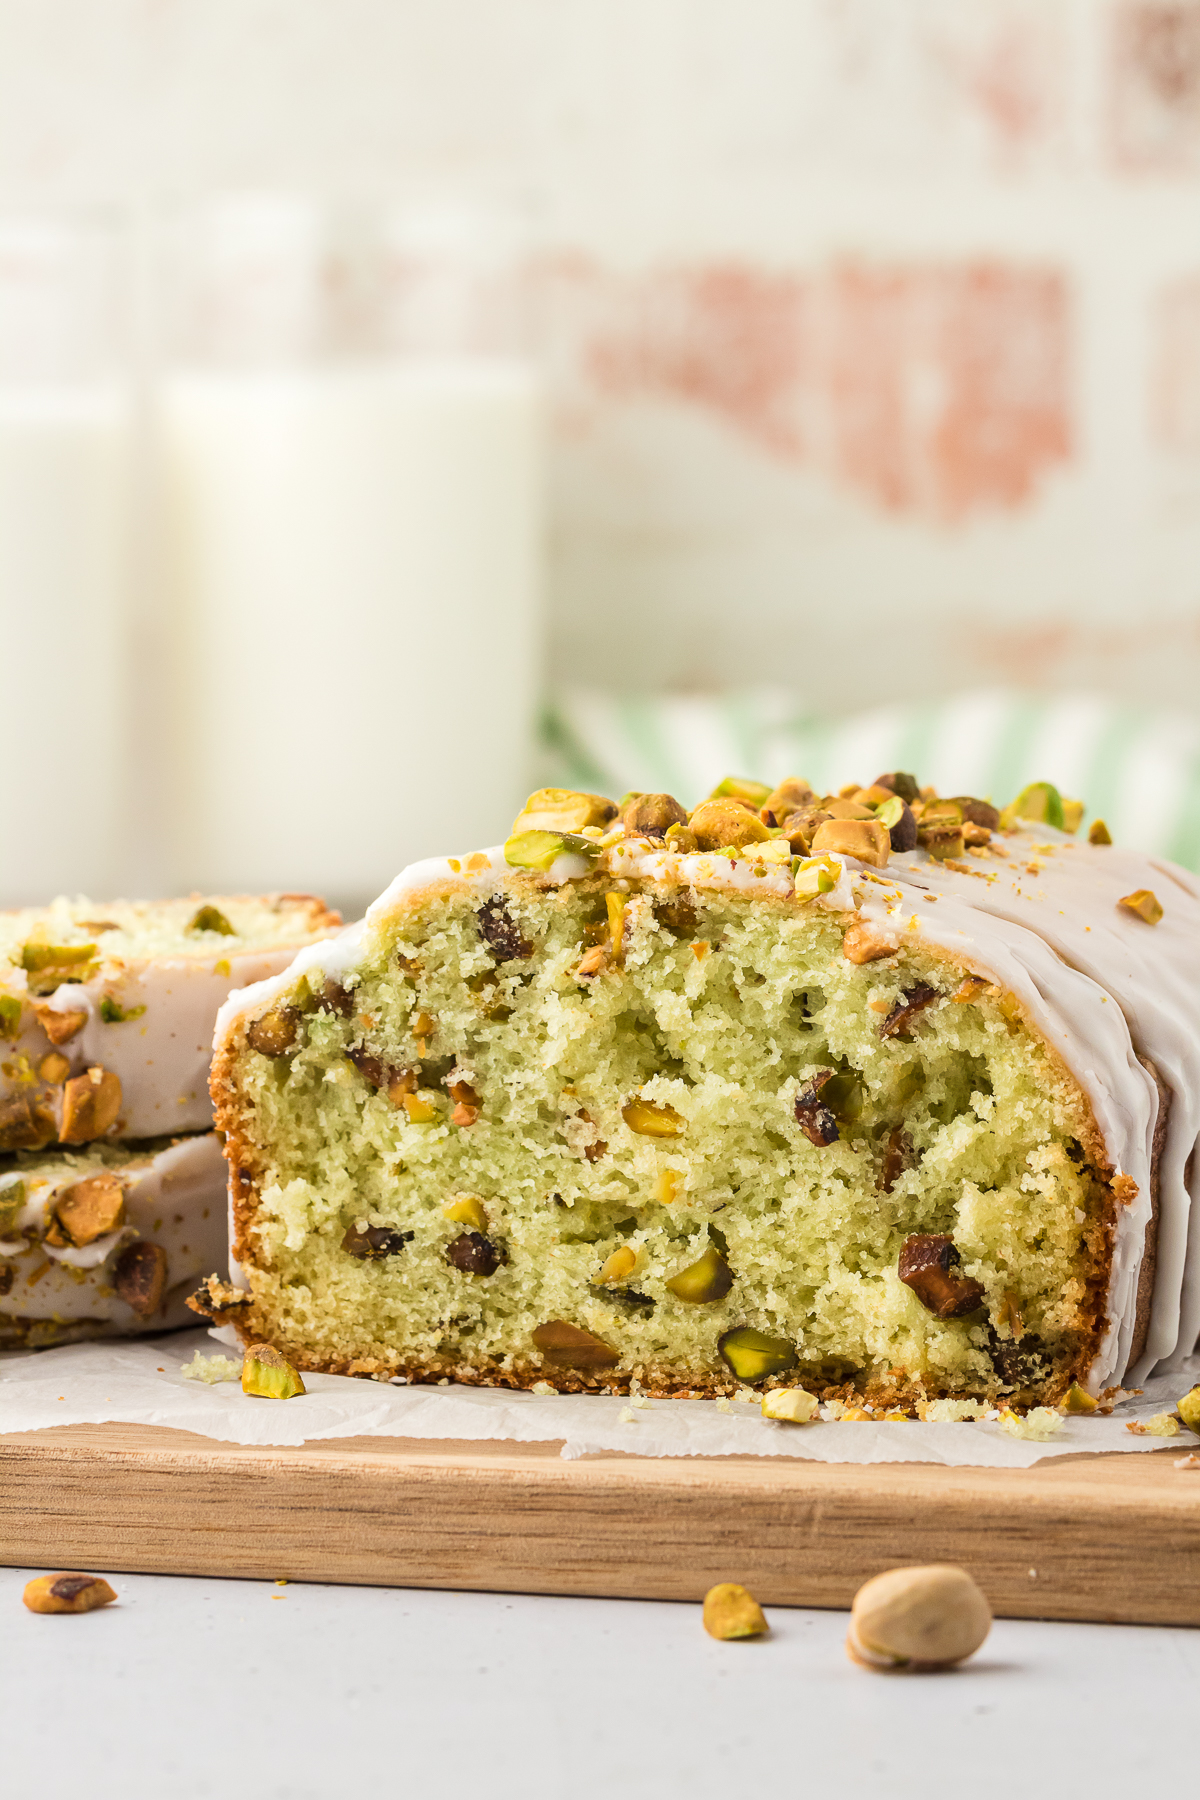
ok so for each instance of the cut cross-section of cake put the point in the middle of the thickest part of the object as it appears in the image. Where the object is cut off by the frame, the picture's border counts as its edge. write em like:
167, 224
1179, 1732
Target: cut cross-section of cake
107, 1241
107, 1009
876, 1092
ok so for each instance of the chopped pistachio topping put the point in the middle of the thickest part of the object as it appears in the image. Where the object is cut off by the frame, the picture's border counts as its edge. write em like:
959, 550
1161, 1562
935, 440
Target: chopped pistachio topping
1145, 903
10, 1016
541, 849
1038, 804
737, 787
816, 875
113, 1013
12, 1199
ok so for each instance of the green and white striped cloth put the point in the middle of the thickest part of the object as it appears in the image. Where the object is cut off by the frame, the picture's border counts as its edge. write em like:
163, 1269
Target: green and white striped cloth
1138, 770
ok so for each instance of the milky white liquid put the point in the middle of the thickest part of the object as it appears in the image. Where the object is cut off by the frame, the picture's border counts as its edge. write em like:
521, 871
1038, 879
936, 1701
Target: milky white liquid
64, 578
355, 562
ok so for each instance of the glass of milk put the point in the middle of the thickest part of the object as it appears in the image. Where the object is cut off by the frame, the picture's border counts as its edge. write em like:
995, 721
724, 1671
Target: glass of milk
351, 432
65, 444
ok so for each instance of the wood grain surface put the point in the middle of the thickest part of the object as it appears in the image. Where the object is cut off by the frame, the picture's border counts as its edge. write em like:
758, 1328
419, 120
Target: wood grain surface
1092, 1537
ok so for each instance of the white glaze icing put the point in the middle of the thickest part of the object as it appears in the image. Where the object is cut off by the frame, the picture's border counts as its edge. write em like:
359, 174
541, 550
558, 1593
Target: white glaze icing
161, 1057
174, 1197
1102, 986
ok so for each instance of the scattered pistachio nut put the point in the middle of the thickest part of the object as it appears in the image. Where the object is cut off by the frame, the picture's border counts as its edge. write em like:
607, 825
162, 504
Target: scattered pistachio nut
753, 1355
570, 1347
704, 1281
10, 1016
793, 1406
650, 1119
90, 1106
865, 839
210, 918
1098, 832
1189, 1409
268, 1374
563, 810
67, 1593
918, 1619
1078, 1400
732, 1612
723, 824
1145, 903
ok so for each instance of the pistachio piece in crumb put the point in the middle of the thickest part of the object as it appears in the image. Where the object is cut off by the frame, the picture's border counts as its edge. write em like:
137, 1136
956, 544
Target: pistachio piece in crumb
732, 1612
210, 918
793, 1406
701, 1282
928, 1264
918, 1619
274, 1032
753, 1355
1145, 903
67, 1593
1189, 1409
91, 1103
618, 1267
467, 1209
1098, 832
571, 1347
651, 1120
267, 1373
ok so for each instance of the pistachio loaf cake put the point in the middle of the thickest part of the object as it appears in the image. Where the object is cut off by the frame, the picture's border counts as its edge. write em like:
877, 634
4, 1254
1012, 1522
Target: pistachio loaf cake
107, 1011
881, 1093
108, 1240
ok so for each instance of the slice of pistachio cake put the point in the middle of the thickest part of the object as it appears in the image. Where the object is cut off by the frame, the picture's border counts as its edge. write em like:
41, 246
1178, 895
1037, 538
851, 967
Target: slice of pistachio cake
106, 1241
867, 1092
107, 1010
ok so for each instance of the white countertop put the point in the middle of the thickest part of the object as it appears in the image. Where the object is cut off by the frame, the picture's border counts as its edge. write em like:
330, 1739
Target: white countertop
191, 1688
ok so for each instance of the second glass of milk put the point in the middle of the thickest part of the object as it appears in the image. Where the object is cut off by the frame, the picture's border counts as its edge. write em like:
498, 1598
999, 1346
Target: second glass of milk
351, 431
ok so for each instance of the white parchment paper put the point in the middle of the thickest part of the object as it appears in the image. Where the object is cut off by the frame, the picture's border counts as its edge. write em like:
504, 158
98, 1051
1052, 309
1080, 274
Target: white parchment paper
141, 1382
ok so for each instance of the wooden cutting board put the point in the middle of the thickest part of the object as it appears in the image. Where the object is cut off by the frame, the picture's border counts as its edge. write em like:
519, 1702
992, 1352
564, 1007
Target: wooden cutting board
1084, 1537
